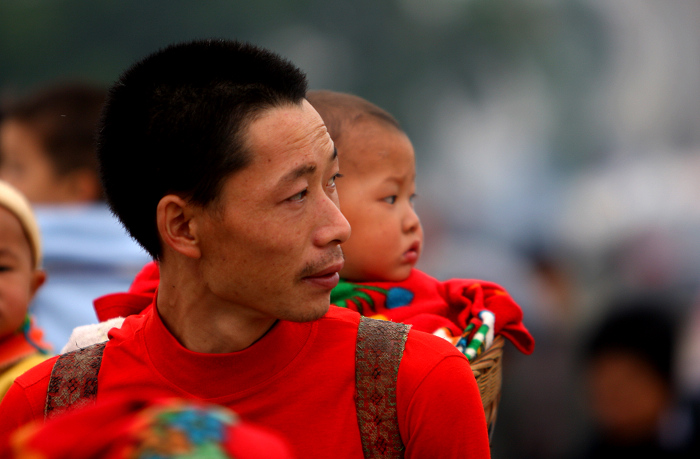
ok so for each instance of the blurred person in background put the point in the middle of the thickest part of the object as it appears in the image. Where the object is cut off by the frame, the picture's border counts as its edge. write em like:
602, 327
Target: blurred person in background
628, 362
47, 151
48, 143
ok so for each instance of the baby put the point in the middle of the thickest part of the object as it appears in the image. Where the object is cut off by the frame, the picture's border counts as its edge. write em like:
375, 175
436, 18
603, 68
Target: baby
20, 277
376, 193
376, 190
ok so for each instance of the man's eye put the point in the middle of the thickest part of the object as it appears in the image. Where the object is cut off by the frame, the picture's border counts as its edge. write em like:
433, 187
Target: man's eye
331, 181
299, 196
390, 199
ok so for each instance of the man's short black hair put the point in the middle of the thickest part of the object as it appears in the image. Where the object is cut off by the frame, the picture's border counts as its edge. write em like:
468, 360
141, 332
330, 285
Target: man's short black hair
175, 122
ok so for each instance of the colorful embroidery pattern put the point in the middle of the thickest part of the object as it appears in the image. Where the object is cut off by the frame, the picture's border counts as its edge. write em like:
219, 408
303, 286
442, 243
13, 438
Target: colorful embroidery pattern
356, 296
461, 311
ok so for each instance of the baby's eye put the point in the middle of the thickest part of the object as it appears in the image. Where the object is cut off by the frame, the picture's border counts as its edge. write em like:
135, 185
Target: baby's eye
390, 199
299, 196
412, 199
4, 268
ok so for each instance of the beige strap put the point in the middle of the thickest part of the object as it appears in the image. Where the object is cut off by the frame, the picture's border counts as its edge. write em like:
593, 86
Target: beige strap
380, 346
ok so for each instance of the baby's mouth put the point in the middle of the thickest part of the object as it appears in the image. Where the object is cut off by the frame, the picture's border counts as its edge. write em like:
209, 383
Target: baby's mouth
411, 255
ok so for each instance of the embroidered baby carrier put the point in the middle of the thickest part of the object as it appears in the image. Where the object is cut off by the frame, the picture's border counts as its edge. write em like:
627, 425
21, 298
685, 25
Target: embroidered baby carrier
378, 353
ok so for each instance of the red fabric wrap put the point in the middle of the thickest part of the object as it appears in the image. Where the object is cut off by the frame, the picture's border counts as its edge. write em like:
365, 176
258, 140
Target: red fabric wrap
135, 301
429, 304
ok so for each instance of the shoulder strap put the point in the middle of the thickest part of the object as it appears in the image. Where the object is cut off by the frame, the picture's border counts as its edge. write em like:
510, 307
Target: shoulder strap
380, 346
73, 380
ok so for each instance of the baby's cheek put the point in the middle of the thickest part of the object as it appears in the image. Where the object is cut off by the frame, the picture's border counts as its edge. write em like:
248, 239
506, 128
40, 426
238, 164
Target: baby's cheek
13, 309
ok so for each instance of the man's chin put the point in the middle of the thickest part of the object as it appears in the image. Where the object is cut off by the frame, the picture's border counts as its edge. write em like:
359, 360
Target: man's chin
307, 315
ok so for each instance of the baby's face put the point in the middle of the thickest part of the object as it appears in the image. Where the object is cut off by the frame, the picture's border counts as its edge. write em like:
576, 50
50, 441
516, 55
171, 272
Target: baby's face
376, 196
18, 278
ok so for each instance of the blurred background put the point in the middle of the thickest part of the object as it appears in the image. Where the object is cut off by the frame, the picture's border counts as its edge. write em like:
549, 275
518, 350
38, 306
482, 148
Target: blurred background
558, 148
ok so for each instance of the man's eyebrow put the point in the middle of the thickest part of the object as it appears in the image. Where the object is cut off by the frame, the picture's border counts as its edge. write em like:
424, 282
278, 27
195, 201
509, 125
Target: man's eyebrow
305, 169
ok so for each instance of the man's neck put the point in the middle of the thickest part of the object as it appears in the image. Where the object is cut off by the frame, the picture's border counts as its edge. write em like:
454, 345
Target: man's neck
200, 321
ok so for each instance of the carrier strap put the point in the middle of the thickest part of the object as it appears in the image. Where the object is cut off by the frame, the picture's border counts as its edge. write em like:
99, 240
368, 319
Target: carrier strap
73, 382
380, 347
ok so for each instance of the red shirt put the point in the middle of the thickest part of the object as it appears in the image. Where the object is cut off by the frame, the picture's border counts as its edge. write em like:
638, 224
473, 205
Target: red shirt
298, 380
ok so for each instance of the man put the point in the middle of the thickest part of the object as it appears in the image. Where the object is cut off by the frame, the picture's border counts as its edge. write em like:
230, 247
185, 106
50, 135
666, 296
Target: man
215, 162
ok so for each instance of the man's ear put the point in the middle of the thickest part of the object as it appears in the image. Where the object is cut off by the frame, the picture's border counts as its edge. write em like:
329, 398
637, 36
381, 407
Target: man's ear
176, 226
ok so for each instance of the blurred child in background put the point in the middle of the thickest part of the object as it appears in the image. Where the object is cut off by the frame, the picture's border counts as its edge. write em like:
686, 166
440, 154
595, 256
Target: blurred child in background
629, 362
21, 345
47, 142
47, 151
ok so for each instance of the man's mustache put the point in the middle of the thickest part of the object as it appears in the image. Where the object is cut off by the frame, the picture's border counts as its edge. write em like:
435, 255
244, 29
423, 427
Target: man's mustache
331, 257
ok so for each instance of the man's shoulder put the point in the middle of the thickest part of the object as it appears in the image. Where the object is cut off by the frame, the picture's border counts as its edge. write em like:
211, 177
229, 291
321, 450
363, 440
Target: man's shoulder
418, 342
36, 374
117, 335
340, 316
430, 365
424, 350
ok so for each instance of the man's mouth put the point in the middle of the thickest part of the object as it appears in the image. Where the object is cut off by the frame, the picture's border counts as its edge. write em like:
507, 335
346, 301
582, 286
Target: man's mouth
326, 278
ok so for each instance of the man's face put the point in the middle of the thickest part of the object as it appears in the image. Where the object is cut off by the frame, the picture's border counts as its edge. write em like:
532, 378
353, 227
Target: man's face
270, 244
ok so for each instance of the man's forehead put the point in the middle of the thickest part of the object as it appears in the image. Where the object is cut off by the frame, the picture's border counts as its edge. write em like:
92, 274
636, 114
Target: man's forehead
279, 132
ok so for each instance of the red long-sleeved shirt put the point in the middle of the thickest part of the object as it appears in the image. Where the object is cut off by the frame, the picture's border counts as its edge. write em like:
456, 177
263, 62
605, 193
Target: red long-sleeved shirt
298, 380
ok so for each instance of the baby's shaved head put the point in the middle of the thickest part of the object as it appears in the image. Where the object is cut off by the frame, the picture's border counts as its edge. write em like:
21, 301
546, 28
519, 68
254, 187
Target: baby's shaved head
378, 166
342, 112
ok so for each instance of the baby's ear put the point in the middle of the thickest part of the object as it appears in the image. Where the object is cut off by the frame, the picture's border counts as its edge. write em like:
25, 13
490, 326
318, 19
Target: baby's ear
38, 279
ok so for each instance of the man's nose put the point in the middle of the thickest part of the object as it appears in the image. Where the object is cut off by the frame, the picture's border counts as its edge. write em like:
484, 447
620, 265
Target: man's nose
335, 228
